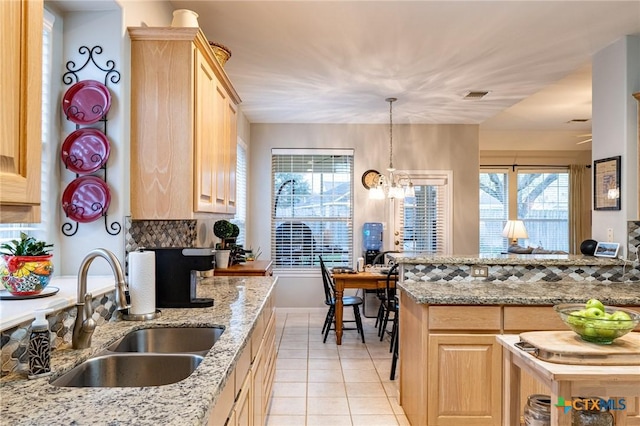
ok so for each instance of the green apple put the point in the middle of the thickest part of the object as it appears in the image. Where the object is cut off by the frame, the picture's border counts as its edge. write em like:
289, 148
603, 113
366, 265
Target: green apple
594, 303
620, 316
606, 332
590, 330
576, 317
593, 313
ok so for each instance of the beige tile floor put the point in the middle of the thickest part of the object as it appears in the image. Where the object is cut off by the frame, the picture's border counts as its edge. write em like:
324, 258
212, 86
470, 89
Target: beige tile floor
327, 384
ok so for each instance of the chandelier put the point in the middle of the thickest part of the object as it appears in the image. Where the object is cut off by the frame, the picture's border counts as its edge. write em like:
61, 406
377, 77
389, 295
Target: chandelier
395, 185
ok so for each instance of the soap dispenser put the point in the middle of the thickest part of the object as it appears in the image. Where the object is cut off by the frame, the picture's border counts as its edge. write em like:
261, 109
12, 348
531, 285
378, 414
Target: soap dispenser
39, 346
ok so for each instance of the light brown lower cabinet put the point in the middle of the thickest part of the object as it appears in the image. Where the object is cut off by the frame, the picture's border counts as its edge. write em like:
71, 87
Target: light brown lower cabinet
245, 398
451, 364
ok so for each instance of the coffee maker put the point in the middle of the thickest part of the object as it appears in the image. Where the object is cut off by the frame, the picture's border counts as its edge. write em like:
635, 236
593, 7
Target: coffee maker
176, 276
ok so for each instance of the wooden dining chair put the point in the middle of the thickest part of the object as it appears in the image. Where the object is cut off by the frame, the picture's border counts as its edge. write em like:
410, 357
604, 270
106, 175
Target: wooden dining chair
330, 301
389, 305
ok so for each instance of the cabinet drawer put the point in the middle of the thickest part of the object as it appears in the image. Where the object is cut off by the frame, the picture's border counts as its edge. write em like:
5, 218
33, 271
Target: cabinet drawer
532, 318
464, 318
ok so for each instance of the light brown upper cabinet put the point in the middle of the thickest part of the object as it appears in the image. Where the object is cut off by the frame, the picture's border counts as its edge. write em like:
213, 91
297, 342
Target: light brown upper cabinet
21, 114
183, 127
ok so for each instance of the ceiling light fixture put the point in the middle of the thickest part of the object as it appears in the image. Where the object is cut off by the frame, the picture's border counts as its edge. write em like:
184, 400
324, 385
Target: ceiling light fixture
396, 185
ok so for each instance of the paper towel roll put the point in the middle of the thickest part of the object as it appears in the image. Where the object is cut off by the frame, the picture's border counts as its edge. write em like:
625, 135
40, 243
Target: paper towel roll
142, 282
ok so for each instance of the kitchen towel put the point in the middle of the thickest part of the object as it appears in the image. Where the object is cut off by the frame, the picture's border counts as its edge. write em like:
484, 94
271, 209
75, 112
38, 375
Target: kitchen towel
142, 282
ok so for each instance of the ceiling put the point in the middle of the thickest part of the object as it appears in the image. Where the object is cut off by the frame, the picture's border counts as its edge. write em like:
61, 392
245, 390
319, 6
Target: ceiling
337, 61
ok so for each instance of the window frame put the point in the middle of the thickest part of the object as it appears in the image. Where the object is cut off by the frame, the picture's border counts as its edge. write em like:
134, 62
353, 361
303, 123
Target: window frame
512, 173
443, 180
306, 258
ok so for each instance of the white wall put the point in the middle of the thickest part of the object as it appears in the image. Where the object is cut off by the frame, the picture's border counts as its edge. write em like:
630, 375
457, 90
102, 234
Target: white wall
616, 76
416, 147
105, 28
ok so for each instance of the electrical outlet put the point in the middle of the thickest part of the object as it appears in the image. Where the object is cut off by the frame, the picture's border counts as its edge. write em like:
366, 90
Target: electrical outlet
479, 271
609, 235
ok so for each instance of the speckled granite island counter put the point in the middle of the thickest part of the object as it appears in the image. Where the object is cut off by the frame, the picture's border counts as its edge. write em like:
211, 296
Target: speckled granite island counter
450, 362
239, 305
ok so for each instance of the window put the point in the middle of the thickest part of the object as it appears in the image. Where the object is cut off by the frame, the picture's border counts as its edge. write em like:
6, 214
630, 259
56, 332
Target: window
423, 221
543, 205
312, 207
10, 231
540, 198
240, 218
494, 211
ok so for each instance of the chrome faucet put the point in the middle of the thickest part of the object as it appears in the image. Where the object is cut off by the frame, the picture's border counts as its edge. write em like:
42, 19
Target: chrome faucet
85, 325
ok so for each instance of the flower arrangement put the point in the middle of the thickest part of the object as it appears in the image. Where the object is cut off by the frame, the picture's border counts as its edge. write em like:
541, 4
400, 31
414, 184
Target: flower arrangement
25, 265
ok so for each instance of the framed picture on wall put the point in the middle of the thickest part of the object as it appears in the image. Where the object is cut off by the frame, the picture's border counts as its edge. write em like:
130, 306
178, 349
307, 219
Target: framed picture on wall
606, 184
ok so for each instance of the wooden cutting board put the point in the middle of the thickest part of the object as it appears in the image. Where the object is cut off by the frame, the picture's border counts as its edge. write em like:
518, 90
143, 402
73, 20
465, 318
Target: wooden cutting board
566, 347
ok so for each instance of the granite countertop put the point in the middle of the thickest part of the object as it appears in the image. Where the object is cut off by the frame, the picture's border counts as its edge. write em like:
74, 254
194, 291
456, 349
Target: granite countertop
506, 259
237, 304
482, 292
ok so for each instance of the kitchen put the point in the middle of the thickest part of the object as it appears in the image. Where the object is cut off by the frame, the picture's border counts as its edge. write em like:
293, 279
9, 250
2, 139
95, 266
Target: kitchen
76, 26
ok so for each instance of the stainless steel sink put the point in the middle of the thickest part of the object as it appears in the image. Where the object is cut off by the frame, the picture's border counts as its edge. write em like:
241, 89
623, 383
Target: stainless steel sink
130, 370
169, 340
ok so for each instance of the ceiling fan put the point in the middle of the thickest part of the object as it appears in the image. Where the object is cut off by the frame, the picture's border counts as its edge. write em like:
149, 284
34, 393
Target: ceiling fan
588, 136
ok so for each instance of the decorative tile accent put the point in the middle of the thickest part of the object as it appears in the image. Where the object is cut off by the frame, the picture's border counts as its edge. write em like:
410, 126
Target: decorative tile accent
159, 233
633, 245
15, 341
523, 273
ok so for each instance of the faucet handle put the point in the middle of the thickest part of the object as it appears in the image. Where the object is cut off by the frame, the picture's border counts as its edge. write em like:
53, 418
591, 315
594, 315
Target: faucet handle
88, 310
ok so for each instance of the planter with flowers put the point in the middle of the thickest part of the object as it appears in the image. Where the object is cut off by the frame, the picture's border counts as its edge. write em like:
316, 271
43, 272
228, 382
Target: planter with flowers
25, 265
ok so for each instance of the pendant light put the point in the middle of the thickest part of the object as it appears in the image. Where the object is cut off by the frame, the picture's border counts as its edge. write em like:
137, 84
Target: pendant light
395, 185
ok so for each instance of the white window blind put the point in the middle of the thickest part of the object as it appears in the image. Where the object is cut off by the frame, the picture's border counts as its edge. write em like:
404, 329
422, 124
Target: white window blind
312, 207
424, 221
240, 217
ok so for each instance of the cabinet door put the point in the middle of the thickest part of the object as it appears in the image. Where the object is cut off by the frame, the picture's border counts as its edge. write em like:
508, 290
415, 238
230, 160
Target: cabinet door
242, 410
21, 114
221, 150
205, 136
465, 380
257, 377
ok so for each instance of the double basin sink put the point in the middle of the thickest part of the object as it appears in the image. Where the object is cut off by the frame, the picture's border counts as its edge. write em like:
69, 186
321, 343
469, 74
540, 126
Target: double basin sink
145, 357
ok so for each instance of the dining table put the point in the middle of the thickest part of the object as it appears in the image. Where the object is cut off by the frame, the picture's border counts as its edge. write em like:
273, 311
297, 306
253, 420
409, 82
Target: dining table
365, 280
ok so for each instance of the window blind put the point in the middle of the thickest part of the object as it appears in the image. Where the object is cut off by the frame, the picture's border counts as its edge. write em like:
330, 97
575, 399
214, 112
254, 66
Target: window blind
312, 208
424, 220
240, 217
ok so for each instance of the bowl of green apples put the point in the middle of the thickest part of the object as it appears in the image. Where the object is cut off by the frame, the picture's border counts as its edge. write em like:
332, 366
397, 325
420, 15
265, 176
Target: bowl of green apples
596, 323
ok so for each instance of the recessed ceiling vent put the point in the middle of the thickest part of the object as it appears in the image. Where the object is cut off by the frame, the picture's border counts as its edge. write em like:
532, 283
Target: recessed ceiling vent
475, 94
578, 120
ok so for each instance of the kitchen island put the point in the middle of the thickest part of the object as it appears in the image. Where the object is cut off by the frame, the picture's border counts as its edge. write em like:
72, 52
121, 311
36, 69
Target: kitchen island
451, 370
244, 306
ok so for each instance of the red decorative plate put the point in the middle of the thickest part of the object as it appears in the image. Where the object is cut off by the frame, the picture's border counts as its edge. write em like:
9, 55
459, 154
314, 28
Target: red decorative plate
85, 151
86, 102
86, 199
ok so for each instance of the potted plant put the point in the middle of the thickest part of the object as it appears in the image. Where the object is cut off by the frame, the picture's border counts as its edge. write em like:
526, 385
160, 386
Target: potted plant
25, 265
227, 232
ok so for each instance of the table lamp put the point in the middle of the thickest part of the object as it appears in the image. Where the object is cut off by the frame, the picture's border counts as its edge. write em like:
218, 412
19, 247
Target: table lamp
513, 230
